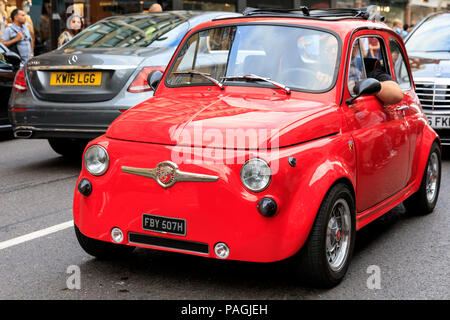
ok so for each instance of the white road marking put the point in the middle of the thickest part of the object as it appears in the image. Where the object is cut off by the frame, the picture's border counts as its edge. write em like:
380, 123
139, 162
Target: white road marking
35, 235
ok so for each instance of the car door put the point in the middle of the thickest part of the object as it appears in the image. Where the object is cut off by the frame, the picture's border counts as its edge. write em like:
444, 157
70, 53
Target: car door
410, 104
6, 82
379, 131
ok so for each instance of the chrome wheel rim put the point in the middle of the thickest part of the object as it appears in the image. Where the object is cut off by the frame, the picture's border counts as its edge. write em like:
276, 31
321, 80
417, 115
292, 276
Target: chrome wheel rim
338, 235
432, 177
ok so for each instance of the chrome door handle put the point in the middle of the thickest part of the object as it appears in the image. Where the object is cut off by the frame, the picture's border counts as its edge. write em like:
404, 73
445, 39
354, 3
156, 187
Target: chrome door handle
401, 108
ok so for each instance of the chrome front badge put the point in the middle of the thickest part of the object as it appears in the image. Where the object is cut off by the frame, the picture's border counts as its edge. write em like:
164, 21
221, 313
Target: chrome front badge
167, 174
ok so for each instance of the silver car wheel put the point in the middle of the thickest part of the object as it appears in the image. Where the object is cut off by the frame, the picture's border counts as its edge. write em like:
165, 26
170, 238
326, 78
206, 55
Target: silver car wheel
432, 177
338, 235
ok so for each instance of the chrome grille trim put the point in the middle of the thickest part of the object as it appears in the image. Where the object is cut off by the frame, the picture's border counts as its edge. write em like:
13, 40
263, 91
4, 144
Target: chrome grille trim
434, 94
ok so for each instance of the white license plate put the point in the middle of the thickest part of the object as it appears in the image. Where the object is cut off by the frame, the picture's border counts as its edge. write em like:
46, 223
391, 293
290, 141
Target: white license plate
439, 121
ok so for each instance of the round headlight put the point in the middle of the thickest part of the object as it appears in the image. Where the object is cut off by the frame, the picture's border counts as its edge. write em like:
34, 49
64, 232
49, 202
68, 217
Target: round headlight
96, 160
256, 175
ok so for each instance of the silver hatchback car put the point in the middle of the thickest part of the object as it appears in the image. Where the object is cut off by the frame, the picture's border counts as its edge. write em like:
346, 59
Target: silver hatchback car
71, 95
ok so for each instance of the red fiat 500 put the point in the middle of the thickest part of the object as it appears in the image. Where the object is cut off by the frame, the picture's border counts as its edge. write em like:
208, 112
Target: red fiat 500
265, 140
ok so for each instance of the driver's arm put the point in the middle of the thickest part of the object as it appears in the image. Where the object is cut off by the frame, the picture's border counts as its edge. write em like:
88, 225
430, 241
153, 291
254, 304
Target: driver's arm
390, 92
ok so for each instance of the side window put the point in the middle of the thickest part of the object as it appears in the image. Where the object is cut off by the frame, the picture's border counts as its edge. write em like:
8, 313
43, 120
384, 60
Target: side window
368, 61
356, 71
400, 68
206, 51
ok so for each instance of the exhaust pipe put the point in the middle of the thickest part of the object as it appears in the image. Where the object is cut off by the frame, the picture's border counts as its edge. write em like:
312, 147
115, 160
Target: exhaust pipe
23, 134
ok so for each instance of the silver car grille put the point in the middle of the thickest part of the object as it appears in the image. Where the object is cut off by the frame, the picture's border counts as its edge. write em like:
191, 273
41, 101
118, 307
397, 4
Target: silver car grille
433, 96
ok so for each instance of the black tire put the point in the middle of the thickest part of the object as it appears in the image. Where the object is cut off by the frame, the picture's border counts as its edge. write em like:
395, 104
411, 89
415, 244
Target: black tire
101, 249
6, 135
311, 263
419, 203
68, 148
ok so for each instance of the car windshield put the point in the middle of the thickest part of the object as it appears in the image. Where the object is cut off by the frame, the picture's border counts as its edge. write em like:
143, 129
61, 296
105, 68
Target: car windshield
432, 36
158, 30
295, 57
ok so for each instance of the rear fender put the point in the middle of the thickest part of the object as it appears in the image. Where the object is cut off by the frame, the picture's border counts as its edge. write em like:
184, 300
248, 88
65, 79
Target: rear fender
429, 136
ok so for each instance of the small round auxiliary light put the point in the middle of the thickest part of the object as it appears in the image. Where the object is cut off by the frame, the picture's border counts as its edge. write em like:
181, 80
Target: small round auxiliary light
85, 187
117, 235
221, 250
267, 207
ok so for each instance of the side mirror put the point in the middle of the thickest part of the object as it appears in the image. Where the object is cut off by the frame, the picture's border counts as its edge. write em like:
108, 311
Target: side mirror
154, 78
369, 86
12, 58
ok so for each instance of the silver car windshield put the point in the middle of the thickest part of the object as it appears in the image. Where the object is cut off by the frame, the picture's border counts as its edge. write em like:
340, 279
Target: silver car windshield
432, 36
159, 30
299, 58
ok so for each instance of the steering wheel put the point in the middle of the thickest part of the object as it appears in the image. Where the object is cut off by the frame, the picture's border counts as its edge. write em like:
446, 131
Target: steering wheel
298, 78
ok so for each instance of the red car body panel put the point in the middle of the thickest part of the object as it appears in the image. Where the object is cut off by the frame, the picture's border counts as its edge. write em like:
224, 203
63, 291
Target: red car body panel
172, 119
379, 152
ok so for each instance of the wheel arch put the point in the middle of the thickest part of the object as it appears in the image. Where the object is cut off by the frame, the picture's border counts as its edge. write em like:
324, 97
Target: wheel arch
308, 215
429, 137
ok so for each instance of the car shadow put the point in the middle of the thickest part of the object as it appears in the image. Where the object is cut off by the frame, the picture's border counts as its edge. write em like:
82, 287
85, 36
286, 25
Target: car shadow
377, 229
445, 153
153, 266
6, 135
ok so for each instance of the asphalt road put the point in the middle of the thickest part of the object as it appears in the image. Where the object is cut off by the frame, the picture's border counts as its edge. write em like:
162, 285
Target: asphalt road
412, 254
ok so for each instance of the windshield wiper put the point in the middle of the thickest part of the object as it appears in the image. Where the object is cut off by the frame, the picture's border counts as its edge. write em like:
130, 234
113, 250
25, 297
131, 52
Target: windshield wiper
254, 77
201, 74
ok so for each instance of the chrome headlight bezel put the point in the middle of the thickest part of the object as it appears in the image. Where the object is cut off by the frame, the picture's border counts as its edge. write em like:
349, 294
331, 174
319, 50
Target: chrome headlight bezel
267, 177
105, 163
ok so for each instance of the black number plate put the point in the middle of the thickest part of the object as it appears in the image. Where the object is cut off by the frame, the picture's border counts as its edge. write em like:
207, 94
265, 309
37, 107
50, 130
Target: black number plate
164, 224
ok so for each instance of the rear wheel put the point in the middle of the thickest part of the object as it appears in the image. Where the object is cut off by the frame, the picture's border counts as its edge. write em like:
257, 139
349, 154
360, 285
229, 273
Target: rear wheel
101, 249
424, 200
69, 148
324, 259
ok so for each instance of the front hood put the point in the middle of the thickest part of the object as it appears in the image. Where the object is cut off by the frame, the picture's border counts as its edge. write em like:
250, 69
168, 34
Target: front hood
226, 121
430, 64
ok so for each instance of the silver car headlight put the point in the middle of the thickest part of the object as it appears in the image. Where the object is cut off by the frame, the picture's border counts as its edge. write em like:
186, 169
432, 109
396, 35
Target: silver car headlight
96, 160
256, 175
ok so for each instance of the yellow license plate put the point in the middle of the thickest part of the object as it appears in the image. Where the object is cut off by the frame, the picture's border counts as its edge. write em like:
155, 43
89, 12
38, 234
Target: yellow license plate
76, 79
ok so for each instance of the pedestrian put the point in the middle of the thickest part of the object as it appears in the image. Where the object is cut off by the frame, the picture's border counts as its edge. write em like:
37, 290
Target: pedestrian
17, 36
74, 26
156, 7
398, 28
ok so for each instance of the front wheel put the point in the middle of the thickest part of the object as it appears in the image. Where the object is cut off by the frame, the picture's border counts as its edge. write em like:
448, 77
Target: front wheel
324, 259
424, 200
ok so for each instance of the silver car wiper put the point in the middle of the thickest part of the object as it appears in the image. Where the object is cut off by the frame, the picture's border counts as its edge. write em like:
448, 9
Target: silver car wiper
254, 77
202, 74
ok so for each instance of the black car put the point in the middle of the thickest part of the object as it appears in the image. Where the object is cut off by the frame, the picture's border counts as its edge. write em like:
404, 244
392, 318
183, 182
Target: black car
9, 64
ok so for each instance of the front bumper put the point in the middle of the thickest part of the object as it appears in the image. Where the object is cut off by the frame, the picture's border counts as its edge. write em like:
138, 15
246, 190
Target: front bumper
220, 211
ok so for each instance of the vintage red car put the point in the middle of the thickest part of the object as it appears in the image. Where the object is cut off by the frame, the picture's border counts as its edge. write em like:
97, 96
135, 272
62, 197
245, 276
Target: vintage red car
265, 140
